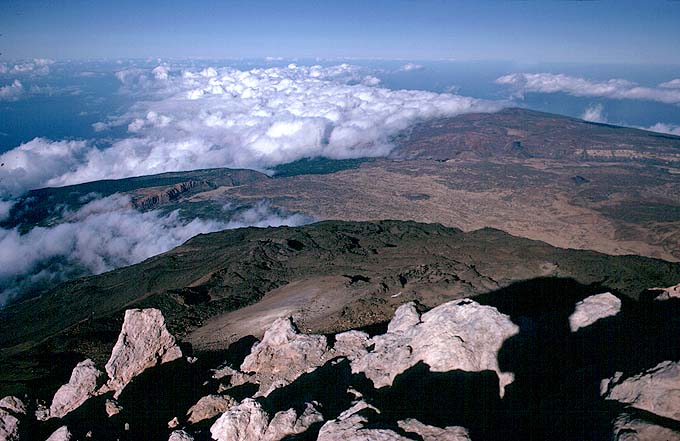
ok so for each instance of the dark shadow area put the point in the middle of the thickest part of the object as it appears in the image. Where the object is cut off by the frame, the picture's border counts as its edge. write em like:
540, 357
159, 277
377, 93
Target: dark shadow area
556, 392
454, 398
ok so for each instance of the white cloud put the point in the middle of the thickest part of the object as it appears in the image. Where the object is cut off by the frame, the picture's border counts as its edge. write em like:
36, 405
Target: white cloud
670, 129
11, 92
35, 67
411, 66
32, 164
672, 84
577, 86
594, 113
103, 235
5, 207
245, 119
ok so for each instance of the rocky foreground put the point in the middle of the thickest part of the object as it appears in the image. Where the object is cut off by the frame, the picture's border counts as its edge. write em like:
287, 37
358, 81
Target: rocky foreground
464, 370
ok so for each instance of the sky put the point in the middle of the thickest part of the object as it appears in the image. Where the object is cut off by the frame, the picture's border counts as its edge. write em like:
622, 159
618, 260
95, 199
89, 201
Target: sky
552, 31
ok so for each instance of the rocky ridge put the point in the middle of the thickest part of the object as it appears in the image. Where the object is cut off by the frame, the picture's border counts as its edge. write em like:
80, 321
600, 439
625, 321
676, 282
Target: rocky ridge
272, 393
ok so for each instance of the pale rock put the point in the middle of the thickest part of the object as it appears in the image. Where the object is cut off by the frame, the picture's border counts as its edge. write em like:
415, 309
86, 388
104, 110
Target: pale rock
61, 434
224, 371
592, 309
629, 428
461, 334
672, 292
288, 423
656, 390
83, 384
351, 344
112, 407
13, 404
209, 406
143, 342
350, 426
283, 355
42, 412
9, 426
432, 433
246, 421
180, 435
173, 423
405, 317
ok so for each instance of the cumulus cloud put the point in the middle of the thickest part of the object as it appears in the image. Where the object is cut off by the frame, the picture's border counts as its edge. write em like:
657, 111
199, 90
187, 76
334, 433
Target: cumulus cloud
577, 86
37, 66
32, 164
670, 129
103, 235
594, 113
11, 92
247, 119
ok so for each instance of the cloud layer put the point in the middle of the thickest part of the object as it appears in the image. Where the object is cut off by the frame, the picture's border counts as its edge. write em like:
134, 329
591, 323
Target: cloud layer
103, 235
522, 83
231, 118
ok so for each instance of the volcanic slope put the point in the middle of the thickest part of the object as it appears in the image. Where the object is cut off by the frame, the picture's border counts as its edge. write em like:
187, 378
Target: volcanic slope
330, 276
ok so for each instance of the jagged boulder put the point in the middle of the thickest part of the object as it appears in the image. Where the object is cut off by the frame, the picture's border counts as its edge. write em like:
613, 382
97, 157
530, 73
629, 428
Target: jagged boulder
351, 344
432, 433
112, 407
9, 426
13, 404
630, 428
592, 309
61, 434
656, 390
84, 382
283, 355
461, 334
143, 342
288, 423
247, 421
209, 406
180, 435
350, 425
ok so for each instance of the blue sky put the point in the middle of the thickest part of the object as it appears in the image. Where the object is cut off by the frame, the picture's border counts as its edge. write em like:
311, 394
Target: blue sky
564, 31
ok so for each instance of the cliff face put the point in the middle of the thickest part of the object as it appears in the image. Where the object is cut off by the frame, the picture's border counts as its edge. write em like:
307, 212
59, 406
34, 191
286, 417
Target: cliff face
154, 197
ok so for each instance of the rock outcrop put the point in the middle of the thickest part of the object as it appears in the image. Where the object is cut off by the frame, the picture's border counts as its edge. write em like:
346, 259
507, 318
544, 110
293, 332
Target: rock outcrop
61, 434
112, 407
84, 382
13, 404
656, 390
247, 421
456, 335
350, 426
661, 294
9, 426
143, 342
283, 355
180, 435
432, 433
592, 309
208, 407
11, 410
629, 428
